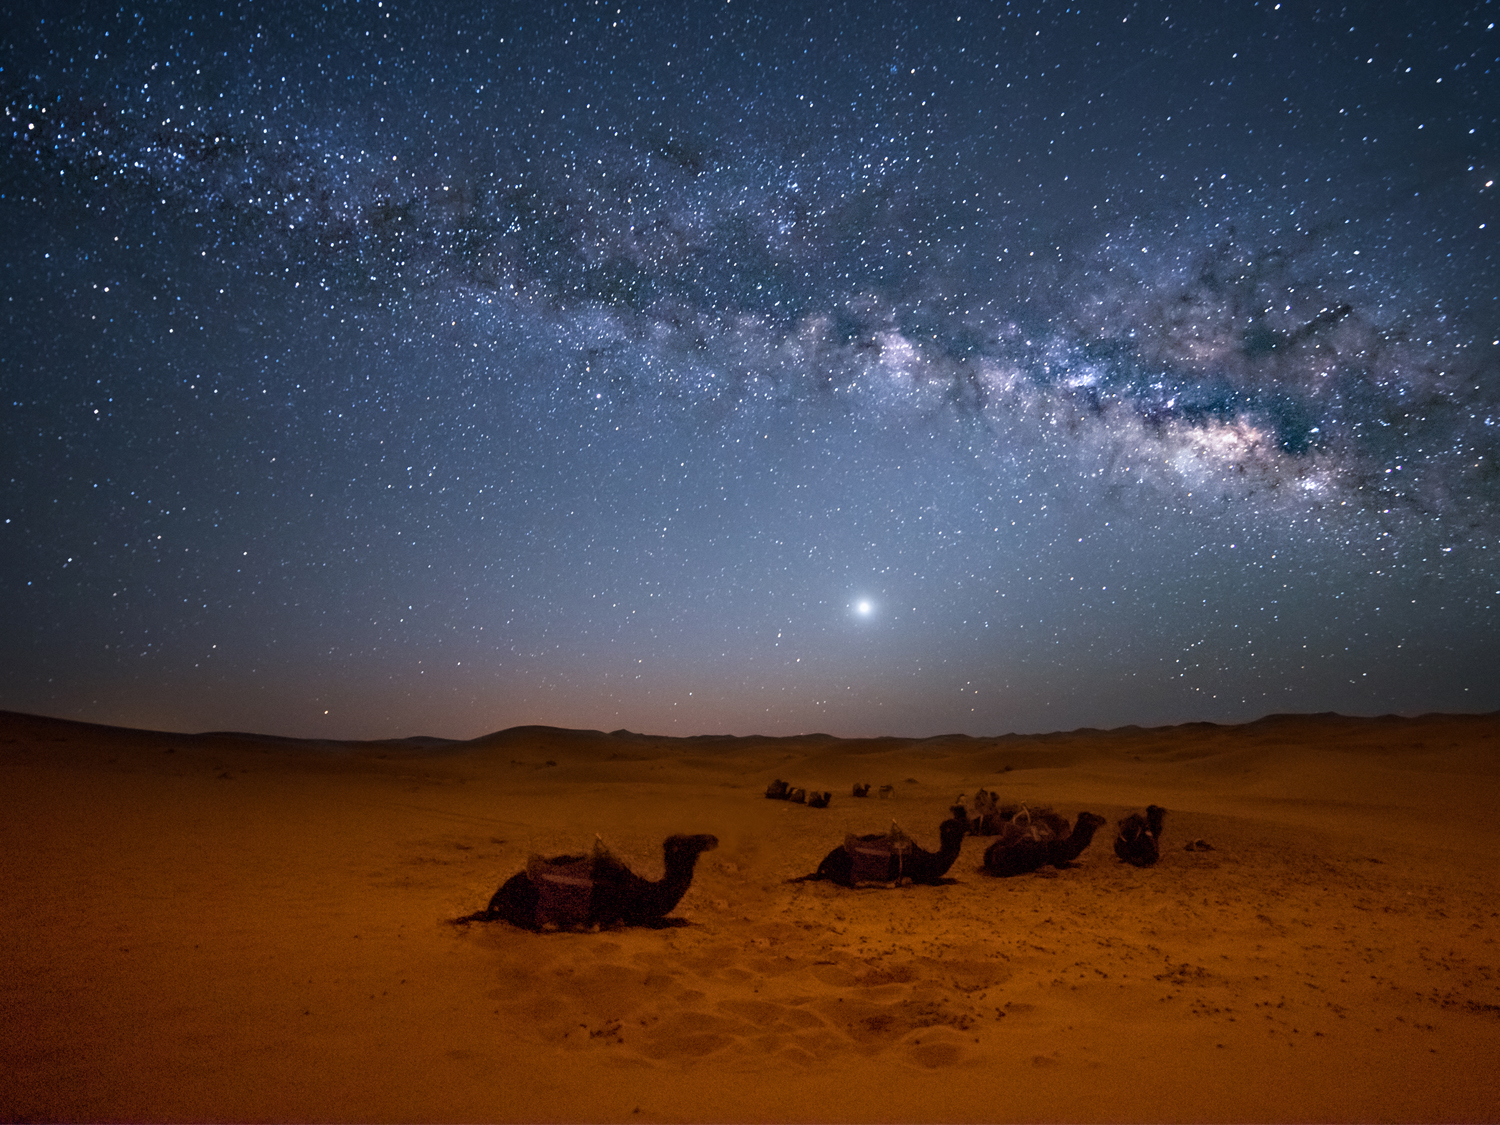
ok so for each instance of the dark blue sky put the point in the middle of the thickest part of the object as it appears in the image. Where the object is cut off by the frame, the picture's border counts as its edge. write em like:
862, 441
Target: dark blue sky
399, 368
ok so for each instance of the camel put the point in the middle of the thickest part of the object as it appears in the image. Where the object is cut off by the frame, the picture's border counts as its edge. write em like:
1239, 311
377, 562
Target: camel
583, 892
819, 799
1139, 837
776, 791
861, 790
890, 857
1045, 840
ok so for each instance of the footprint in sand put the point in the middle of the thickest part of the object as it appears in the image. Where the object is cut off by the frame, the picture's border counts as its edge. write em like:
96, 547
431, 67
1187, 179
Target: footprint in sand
690, 1034
657, 1005
938, 1047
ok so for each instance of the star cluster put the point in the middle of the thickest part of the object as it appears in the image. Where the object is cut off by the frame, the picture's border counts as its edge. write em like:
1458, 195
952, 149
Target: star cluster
890, 369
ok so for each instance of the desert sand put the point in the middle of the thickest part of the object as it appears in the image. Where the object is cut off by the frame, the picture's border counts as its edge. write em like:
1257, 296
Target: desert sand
232, 927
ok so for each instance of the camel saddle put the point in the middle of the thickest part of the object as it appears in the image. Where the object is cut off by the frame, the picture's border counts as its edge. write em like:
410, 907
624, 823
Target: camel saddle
879, 860
565, 890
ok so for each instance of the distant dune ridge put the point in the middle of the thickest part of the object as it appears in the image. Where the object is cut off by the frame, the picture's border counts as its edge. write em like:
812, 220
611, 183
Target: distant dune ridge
231, 926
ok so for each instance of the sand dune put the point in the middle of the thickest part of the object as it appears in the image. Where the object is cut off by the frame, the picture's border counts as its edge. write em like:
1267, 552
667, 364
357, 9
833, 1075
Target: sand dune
231, 926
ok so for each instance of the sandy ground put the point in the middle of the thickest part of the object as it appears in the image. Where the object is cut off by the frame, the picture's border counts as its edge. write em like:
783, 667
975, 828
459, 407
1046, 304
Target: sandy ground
233, 928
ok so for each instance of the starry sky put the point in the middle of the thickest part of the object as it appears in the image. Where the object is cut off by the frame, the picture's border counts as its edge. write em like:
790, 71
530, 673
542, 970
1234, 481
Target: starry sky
388, 368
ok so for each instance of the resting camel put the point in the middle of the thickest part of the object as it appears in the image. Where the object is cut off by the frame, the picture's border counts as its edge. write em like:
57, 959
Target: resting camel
1138, 841
1044, 841
581, 892
890, 857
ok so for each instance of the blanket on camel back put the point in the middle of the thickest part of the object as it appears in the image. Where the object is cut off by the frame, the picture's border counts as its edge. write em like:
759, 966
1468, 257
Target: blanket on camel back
565, 889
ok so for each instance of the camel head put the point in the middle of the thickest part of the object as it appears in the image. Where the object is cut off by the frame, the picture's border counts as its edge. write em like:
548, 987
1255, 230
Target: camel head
683, 851
1088, 823
953, 830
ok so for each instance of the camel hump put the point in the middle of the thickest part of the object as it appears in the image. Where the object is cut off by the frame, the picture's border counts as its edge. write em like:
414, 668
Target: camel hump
565, 889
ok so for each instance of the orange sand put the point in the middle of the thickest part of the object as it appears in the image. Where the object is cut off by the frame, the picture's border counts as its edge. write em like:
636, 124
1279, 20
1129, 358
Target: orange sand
229, 927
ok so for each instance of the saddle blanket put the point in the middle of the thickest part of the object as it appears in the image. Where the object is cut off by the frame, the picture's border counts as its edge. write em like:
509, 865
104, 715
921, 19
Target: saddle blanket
565, 891
880, 860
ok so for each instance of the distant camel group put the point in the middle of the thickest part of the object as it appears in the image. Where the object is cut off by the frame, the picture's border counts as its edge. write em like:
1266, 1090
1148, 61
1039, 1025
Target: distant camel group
1026, 840
779, 790
598, 890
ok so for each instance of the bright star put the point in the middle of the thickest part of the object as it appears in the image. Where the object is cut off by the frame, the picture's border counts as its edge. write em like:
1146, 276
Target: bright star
863, 608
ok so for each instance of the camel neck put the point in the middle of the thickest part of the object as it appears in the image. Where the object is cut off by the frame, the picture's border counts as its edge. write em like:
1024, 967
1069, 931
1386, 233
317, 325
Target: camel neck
674, 884
951, 843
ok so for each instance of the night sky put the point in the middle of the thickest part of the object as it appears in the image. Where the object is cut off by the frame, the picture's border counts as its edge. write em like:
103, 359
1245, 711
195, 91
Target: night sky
411, 368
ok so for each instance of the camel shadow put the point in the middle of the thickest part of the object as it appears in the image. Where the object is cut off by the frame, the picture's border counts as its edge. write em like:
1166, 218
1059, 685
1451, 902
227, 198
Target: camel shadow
666, 924
653, 924
945, 881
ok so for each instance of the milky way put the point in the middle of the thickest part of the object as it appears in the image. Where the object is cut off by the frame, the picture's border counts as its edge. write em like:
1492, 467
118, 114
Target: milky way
725, 368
